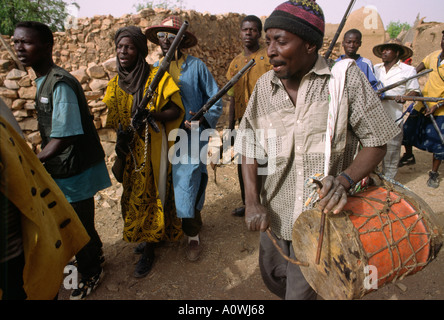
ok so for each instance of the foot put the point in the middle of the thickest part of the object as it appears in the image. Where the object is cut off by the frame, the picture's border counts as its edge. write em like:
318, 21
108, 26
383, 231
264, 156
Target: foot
86, 286
193, 250
238, 212
406, 160
433, 181
144, 266
101, 259
140, 247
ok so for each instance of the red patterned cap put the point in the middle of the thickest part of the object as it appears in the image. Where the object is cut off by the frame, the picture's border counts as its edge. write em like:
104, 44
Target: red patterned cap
171, 24
304, 18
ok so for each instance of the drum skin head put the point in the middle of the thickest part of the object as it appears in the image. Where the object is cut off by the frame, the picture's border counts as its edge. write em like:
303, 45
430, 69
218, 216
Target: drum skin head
340, 272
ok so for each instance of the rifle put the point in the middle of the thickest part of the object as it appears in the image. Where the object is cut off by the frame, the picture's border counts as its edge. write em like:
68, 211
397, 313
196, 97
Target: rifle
394, 85
413, 98
338, 32
142, 114
435, 125
424, 101
222, 91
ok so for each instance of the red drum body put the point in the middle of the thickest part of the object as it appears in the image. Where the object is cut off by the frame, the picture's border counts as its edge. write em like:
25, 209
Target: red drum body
382, 235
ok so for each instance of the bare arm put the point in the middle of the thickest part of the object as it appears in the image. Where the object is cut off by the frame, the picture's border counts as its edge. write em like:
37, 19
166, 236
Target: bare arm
168, 113
420, 67
256, 216
333, 194
231, 114
55, 147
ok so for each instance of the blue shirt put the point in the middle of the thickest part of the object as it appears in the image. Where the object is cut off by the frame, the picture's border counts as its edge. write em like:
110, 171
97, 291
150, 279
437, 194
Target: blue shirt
197, 86
366, 66
66, 122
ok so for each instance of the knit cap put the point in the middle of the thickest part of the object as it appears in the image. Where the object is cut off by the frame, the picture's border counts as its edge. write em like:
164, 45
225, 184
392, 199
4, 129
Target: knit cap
304, 18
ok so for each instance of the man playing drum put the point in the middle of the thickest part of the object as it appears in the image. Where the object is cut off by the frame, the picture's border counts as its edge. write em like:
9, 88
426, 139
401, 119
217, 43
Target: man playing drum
283, 134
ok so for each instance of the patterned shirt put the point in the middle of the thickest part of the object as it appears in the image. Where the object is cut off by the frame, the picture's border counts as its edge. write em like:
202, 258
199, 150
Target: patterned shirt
366, 66
294, 148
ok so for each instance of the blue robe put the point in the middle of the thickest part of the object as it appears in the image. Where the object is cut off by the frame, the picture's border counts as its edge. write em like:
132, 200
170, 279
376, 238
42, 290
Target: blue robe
190, 176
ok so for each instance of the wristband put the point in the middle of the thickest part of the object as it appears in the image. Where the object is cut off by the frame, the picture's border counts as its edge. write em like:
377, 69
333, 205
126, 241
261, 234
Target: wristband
350, 180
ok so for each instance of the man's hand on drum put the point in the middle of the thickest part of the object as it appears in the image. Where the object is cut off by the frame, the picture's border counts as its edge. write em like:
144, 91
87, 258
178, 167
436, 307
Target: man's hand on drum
256, 217
332, 195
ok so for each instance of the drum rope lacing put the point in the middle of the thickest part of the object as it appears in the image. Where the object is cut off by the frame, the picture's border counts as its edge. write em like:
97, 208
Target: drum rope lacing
392, 245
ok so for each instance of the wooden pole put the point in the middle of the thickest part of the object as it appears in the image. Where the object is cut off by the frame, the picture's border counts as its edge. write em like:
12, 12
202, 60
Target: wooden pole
11, 53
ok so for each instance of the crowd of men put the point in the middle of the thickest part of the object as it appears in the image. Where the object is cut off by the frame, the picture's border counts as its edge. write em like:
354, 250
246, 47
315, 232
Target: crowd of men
319, 117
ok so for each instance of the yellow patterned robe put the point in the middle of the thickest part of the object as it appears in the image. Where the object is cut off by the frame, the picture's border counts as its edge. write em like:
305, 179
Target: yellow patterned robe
146, 217
52, 232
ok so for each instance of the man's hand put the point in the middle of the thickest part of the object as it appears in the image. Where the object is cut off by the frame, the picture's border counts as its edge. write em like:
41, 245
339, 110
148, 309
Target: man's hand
123, 140
399, 99
256, 217
332, 195
433, 108
187, 123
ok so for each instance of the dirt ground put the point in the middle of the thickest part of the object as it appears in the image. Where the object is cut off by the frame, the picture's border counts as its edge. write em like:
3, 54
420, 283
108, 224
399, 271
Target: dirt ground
228, 268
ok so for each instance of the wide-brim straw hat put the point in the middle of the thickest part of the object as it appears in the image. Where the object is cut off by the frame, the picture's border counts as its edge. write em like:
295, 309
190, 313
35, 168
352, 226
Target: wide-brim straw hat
405, 52
171, 24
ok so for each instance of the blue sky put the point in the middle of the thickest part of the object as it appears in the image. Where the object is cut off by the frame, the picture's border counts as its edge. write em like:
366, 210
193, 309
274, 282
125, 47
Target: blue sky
390, 10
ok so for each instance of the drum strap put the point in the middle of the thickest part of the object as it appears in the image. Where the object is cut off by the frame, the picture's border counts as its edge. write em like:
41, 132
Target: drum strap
336, 87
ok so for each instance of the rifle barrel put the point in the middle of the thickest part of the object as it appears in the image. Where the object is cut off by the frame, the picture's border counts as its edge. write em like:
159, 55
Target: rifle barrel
394, 85
164, 66
435, 125
338, 32
413, 98
222, 91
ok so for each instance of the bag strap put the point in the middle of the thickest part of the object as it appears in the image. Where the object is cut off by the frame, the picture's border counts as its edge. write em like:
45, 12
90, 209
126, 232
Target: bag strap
438, 65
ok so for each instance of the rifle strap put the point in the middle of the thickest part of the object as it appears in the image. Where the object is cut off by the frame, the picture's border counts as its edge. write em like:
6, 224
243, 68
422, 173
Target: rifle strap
439, 60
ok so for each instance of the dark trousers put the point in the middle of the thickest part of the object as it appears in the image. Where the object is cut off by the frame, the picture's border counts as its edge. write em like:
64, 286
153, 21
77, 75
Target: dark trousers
241, 182
282, 277
11, 278
88, 258
192, 226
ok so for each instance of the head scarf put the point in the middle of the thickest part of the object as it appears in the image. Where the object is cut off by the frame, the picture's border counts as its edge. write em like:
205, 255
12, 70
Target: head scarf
303, 18
133, 82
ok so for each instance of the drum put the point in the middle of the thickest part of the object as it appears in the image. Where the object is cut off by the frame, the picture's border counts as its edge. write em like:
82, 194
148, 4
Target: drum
383, 234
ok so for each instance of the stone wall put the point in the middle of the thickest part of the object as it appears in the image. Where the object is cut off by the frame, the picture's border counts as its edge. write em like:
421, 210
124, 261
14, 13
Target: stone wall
87, 50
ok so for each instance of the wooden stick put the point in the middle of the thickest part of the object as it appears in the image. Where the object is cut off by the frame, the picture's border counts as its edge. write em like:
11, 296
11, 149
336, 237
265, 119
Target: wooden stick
11, 53
299, 263
413, 98
396, 84
321, 238
321, 227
